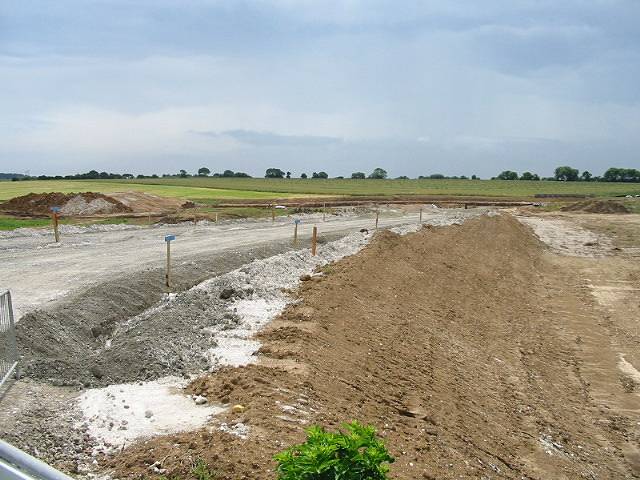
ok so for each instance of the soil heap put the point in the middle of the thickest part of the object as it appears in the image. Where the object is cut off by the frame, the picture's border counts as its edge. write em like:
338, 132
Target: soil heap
85, 203
596, 206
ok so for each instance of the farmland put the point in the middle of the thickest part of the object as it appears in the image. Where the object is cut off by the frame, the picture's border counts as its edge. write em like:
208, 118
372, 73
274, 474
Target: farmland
212, 190
488, 188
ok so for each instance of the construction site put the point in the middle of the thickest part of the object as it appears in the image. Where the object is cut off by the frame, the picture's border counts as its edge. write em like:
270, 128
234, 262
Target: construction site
495, 341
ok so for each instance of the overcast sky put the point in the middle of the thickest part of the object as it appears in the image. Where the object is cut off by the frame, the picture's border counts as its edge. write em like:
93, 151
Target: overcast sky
415, 87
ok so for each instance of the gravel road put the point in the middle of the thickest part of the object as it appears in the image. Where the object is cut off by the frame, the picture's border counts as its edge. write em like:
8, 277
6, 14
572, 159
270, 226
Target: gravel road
38, 271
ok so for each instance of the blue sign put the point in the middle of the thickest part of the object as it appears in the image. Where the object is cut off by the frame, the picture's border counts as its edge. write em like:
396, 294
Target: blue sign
168, 238
296, 221
55, 209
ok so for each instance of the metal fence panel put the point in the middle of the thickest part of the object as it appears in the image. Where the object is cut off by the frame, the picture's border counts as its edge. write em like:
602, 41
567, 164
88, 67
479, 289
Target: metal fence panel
8, 350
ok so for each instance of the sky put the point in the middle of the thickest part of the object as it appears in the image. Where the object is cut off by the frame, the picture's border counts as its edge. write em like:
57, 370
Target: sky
415, 87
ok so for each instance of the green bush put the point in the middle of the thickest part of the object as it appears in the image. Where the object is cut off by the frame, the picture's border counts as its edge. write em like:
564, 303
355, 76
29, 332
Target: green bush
353, 454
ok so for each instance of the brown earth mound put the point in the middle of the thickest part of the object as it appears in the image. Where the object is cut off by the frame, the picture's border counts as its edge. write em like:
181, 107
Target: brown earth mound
86, 203
596, 206
444, 340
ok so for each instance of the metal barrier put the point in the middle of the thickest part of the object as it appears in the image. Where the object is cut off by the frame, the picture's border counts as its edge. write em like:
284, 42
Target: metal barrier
8, 350
18, 465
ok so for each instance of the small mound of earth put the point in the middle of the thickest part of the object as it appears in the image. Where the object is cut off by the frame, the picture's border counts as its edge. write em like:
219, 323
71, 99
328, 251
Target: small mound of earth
85, 203
596, 206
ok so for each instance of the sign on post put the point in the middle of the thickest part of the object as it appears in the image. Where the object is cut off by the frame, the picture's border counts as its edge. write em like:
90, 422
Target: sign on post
168, 239
295, 231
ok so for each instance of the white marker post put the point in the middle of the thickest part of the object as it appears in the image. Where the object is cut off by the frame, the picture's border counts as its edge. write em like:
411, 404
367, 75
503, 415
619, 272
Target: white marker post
167, 276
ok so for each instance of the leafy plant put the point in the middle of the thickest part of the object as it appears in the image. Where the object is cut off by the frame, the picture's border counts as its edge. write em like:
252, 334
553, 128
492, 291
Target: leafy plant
352, 454
199, 471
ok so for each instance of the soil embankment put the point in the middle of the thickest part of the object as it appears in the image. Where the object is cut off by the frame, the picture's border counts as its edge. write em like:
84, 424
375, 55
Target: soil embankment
86, 203
596, 206
447, 341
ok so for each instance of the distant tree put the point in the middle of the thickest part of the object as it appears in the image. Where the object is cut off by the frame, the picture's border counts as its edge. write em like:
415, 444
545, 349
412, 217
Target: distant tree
203, 171
508, 175
402, 177
378, 174
586, 176
621, 175
304, 175
566, 174
529, 176
228, 173
463, 177
436, 176
140, 176
288, 174
127, 175
183, 174
154, 176
274, 173
319, 175
242, 175
358, 175
475, 177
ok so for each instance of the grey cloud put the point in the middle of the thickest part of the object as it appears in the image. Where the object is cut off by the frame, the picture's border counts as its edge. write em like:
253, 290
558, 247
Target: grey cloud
271, 139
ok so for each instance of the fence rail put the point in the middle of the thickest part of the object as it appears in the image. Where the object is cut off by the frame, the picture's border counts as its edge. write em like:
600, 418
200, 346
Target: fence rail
8, 350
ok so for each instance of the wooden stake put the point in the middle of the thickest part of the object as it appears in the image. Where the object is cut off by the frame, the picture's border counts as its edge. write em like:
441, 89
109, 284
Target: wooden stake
273, 214
168, 274
216, 217
56, 233
324, 212
295, 233
420, 215
377, 216
314, 241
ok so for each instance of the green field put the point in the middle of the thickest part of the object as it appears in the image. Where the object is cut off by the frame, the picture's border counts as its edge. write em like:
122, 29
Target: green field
210, 190
180, 190
489, 188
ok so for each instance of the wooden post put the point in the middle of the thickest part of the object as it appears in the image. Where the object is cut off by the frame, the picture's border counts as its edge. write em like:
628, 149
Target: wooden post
216, 217
56, 233
149, 221
421, 215
295, 233
377, 216
273, 214
314, 241
324, 212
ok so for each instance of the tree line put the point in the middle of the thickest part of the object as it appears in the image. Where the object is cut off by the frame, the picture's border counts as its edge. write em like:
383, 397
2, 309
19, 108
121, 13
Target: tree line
570, 174
562, 174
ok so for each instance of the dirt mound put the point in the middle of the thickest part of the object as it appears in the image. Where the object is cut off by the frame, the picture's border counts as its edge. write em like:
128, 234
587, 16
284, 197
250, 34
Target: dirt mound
443, 340
86, 203
142, 202
596, 206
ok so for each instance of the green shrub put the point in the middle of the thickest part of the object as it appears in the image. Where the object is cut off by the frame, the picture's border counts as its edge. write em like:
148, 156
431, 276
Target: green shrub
353, 454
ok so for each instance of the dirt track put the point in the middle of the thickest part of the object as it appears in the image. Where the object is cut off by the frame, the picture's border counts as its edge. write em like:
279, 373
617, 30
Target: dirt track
476, 351
38, 271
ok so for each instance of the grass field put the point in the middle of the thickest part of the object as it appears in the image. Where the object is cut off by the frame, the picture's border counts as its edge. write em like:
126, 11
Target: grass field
210, 190
191, 192
492, 188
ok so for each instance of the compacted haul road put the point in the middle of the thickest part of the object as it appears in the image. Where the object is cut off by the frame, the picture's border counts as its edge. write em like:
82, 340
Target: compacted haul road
37, 270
